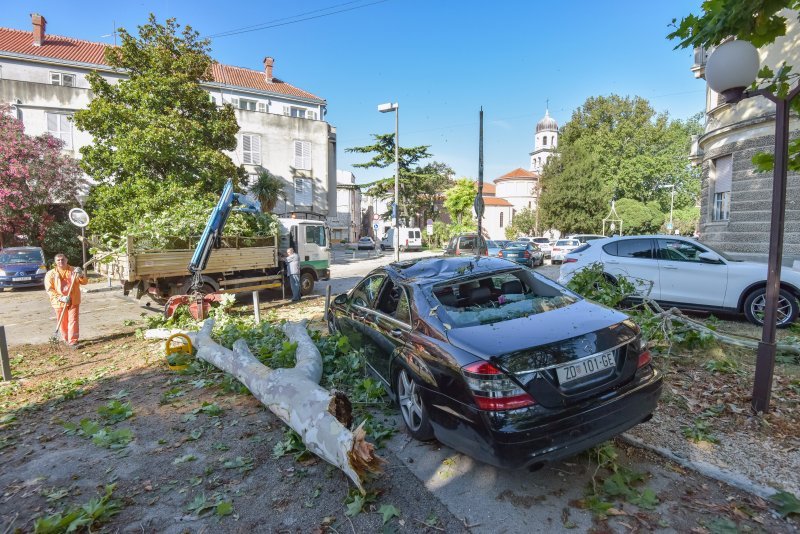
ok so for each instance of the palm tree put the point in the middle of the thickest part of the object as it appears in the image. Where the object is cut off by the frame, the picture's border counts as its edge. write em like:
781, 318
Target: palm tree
267, 188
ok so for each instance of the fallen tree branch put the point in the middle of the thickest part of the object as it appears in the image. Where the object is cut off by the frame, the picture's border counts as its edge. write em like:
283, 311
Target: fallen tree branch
321, 418
674, 314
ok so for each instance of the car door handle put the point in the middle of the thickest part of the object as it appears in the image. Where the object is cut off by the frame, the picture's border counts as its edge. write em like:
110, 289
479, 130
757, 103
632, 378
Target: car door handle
612, 262
396, 332
670, 267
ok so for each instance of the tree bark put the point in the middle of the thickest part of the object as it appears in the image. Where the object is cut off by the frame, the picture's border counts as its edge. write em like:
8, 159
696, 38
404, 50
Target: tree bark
321, 418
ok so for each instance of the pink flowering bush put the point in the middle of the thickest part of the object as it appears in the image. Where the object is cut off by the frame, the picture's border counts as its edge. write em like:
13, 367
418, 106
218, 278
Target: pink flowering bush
34, 175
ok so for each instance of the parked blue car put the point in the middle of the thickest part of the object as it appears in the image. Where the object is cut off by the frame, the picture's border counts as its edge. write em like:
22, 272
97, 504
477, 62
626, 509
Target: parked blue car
22, 267
495, 246
524, 252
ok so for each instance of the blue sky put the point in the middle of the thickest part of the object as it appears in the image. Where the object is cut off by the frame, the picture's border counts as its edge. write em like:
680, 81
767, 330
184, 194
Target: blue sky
440, 59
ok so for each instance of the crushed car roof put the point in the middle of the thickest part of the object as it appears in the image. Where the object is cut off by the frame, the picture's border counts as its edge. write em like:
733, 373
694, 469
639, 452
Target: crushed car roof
438, 269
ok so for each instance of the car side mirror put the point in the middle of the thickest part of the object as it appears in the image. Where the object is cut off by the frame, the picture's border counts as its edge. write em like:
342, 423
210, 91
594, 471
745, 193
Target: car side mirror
340, 299
709, 257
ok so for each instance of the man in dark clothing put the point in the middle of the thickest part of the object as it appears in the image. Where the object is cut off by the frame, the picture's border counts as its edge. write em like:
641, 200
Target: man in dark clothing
293, 270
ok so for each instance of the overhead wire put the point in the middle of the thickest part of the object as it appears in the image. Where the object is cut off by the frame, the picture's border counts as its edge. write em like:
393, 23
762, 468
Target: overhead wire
293, 19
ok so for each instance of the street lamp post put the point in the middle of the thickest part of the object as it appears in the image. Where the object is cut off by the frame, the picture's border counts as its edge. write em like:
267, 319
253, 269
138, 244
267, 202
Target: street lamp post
730, 69
386, 108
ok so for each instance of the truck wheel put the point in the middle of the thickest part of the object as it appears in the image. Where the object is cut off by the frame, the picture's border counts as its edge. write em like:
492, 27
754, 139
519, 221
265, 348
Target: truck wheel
383, 248
306, 283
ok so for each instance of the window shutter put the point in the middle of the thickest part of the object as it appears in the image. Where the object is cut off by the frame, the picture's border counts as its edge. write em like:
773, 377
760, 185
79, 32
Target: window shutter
255, 142
247, 155
723, 171
298, 155
286, 110
52, 124
306, 154
66, 130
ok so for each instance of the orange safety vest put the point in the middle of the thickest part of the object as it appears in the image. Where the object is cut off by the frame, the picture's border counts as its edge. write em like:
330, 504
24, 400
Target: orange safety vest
56, 283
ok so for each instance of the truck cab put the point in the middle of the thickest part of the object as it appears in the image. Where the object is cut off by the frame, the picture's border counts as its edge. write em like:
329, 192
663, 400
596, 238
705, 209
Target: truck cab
311, 240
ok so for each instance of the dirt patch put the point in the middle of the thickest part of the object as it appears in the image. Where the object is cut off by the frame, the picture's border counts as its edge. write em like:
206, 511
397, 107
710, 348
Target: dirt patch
199, 458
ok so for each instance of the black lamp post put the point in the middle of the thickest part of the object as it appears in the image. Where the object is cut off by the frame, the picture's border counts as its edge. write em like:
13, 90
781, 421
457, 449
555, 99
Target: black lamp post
730, 69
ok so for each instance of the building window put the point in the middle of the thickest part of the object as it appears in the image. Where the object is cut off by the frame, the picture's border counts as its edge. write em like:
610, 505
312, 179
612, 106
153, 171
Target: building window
249, 105
303, 193
62, 78
213, 99
299, 113
544, 140
262, 107
302, 155
251, 149
723, 176
59, 125
501, 219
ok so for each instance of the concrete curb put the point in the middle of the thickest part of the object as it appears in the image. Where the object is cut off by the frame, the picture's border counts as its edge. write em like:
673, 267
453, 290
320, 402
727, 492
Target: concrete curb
102, 289
737, 480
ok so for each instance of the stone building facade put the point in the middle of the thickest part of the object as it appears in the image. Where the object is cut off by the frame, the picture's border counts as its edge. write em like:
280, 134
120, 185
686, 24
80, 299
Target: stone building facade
736, 201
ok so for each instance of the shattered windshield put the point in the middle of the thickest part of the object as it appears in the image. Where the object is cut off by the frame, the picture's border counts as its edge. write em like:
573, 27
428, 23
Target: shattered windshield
21, 256
498, 297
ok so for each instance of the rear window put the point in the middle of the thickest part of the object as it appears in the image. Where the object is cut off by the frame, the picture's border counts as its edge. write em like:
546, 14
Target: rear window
630, 248
567, 243
498, 297
541, 240
581, 248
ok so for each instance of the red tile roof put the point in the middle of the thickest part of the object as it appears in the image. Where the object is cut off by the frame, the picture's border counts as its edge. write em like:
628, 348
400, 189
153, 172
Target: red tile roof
69, 49
489, 189
496, 201
255, 79
54, 46
518, 174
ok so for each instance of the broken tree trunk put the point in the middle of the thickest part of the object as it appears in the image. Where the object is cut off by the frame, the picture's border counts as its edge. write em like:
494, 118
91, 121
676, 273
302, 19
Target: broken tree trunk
321, 418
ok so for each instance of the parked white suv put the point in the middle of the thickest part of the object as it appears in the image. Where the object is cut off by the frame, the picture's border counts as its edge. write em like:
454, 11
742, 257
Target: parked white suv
681, 272
561, 248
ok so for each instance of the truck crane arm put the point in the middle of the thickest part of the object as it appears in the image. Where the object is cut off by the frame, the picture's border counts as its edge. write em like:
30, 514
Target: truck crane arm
212, 234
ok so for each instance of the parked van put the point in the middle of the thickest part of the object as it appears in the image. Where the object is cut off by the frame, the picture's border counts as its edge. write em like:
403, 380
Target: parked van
410, 239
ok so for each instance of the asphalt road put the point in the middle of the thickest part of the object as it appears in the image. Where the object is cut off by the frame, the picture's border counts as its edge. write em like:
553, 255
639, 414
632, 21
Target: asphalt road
28, 318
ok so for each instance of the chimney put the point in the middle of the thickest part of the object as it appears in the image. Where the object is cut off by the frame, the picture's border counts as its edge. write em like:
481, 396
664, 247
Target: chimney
268, 62
39, 24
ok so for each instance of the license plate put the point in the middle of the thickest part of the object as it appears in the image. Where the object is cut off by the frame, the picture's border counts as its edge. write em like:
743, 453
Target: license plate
22, 279
589, 366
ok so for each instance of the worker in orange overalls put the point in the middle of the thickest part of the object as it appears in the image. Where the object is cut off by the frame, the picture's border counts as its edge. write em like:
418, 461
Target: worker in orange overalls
57, 284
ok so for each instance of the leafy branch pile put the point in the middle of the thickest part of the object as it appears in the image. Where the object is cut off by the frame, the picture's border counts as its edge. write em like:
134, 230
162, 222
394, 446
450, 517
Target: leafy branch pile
174, 226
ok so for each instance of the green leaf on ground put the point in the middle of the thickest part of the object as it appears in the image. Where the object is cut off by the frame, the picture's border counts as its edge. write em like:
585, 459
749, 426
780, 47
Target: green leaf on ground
787, 503
115, 411
388, 511
224, 508
355, 504
183, 459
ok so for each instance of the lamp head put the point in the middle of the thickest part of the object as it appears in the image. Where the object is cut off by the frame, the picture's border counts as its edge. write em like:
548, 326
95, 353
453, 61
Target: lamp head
731, 68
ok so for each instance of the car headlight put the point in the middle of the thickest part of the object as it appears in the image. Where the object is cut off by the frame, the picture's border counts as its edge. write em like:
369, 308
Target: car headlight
41, 270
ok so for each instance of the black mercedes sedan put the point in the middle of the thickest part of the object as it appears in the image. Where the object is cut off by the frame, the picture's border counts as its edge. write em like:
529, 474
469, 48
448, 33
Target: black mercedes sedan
496, 361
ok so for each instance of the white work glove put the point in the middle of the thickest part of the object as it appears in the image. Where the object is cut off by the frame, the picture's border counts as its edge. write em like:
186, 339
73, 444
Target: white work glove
65, 300
78, 272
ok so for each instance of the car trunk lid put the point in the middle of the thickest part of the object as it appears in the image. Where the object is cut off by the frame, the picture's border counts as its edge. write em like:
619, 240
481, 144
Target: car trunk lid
560, 357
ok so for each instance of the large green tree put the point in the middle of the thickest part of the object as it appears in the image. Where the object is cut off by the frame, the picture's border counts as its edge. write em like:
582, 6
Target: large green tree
156, 126
420, 185
525, 223
616, 147
459, 199
760, 22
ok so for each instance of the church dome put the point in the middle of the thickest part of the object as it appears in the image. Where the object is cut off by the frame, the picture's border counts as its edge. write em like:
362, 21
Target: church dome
547, 124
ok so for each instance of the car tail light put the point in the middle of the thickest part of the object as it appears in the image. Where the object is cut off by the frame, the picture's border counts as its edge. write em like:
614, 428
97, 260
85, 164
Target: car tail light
458, 252
493, 390
500, 254
570, 260
556, 249
644, 359
526, 254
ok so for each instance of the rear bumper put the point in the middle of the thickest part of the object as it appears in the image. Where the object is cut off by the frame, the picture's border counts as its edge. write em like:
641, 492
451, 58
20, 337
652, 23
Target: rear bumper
512, 440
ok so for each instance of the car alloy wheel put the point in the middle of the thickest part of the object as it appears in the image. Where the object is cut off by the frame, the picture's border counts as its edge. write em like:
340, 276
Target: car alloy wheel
785, 314
415, 416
